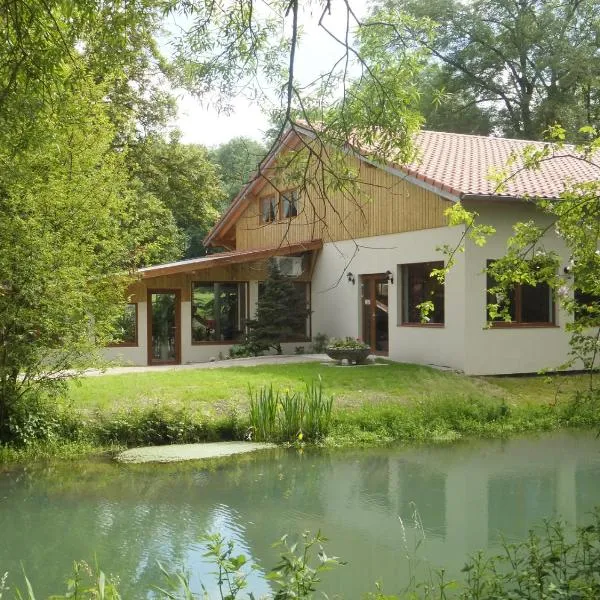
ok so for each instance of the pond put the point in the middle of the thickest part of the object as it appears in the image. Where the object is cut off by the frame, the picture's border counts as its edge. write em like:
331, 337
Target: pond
467, 496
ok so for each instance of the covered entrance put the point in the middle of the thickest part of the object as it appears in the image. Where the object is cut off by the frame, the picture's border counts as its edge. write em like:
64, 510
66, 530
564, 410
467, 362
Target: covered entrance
164, 327
375, 321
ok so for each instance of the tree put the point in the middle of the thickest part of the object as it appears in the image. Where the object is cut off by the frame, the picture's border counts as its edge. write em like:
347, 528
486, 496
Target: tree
281, 313
526, 64
184, 181
71, 224
238, 159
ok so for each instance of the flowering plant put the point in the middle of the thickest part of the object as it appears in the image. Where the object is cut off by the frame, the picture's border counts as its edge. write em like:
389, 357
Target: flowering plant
348, 343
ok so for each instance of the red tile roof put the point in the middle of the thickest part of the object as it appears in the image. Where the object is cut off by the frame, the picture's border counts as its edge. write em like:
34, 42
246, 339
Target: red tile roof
461, 164
458, 164
228, 258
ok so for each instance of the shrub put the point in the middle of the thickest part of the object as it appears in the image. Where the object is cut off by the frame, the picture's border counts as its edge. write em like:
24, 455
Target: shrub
320, 342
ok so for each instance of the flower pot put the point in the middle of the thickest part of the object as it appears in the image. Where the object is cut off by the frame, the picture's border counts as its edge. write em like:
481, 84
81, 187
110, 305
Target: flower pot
356, 356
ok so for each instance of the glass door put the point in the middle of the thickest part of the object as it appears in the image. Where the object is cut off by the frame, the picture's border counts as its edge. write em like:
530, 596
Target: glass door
163, 327
375, 322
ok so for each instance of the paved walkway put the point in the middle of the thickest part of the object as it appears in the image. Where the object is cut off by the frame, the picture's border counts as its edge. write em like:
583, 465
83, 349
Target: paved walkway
218, 364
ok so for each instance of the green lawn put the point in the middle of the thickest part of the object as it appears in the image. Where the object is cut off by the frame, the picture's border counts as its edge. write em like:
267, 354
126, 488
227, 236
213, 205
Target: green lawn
215, 391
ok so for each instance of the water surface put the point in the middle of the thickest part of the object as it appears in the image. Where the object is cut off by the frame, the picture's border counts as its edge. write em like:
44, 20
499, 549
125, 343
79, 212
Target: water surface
369, 503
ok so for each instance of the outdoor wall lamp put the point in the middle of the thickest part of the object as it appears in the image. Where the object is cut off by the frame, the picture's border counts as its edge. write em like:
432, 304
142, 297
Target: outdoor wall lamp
390, 276
351, 278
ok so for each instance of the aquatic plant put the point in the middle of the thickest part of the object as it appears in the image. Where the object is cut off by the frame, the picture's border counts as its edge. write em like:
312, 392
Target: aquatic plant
290, 416
263, 413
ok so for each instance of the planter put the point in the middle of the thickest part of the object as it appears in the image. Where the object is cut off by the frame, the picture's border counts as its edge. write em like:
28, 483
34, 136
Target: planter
357, 356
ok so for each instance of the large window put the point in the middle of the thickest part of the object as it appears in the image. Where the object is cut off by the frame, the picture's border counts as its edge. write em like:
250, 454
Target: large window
527, 304
218, 311
126, 327
419, 287
301, 328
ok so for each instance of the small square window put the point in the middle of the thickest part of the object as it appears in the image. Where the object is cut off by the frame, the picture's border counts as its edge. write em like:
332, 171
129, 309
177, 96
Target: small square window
289, 204
268, 209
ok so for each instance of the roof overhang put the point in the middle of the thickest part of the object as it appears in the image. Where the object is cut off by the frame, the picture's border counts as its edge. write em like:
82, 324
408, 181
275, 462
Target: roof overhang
228, 258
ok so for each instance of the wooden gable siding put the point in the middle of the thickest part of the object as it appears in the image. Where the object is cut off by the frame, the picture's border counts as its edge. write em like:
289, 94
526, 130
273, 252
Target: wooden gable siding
183, 281
390, 204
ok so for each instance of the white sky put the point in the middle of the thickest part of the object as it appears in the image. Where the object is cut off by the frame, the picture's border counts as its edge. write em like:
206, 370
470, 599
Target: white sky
316, 54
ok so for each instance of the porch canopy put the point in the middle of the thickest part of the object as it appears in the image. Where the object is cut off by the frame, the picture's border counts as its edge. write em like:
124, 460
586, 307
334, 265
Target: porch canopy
223, 259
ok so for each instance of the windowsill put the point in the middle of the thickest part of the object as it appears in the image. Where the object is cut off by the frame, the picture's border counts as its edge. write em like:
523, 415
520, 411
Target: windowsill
436, 325
217, 343
234, 342
510, 325
284, 220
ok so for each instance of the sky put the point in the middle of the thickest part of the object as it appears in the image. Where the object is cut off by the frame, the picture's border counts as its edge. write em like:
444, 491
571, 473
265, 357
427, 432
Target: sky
316, 53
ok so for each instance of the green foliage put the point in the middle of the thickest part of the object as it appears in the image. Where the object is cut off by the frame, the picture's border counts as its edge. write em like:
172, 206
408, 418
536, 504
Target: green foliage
73, 225
541, 48
238, 160
280, 313
550, 565
348, 343
320, 342
290, 416
263, 413
185, 183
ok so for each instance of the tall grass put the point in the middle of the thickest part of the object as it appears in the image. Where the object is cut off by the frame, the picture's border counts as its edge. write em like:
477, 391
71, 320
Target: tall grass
290, 416
318, 411
263, 413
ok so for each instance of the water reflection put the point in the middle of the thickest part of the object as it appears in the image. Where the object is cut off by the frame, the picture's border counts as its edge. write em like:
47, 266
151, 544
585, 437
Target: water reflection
465, 495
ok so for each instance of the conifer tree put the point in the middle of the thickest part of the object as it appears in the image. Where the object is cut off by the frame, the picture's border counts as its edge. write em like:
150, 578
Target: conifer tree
281, 312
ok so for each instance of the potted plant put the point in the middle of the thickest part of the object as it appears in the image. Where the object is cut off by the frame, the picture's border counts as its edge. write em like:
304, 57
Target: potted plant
351, 349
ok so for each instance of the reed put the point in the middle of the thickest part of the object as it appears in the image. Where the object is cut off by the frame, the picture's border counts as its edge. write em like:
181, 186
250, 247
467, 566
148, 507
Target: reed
291, 416
263, 413
317, 415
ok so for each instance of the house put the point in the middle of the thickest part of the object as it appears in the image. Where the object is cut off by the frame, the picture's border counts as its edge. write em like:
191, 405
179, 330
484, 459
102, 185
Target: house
363, 263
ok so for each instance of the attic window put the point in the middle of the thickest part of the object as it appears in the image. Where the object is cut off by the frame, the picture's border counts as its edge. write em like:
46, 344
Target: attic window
289, 204
268, 209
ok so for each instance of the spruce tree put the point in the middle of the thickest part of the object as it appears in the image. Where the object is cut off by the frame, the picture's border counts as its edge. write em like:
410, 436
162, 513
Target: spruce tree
281, 312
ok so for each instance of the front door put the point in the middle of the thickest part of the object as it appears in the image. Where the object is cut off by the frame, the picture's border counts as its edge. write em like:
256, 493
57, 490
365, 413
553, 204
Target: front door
374, 299
164, 322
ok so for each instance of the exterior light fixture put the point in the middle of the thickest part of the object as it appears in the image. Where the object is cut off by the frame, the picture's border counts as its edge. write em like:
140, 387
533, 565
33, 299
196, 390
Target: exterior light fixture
390, 276
351, 278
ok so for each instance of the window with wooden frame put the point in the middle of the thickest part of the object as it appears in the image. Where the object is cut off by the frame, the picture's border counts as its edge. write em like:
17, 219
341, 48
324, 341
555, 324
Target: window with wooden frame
418, 287
268, 209
289, 204
587, 308
126, 327
528, 305
219, 311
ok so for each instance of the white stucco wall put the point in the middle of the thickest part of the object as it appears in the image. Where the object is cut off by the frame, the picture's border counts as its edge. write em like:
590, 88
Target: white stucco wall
508, 350
336, 302
138, 355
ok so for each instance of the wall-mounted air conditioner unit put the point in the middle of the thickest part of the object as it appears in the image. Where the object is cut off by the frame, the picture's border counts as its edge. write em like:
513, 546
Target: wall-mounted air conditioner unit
289, 265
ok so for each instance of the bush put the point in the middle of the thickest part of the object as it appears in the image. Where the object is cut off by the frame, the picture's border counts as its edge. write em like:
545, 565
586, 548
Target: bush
320, 342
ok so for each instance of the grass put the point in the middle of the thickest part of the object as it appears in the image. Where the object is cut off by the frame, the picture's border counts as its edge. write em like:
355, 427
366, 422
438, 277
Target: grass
216, 390
376, 404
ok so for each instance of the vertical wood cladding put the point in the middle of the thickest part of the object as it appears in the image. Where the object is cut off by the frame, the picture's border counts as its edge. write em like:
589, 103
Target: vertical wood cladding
387, 204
